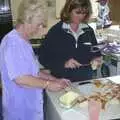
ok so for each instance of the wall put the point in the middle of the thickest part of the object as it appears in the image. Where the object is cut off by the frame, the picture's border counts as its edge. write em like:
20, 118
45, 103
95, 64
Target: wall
14, 7
114, 10
59, 6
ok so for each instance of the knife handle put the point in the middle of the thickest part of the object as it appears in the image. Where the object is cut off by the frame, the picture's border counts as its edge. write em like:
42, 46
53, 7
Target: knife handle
85, 82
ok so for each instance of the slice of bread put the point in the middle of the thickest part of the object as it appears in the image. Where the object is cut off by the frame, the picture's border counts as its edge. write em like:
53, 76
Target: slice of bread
69, 99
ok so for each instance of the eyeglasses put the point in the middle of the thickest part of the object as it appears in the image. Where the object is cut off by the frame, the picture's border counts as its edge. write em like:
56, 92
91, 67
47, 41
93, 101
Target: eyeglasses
81, 12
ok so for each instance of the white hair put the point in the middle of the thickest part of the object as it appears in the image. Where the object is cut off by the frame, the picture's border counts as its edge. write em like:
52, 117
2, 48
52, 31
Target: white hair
30, 9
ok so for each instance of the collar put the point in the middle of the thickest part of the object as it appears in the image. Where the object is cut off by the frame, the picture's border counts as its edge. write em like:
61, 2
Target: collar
80, 31
67, 26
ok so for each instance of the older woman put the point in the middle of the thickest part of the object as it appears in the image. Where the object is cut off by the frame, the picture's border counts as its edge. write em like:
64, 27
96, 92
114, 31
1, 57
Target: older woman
66, 49
22, 84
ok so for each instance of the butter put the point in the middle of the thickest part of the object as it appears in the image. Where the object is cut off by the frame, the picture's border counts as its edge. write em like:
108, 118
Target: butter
69, 98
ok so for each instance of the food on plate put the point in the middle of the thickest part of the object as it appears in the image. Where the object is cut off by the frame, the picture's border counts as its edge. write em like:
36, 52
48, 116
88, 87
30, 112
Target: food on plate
114, 101
82, 101
69, 99
83, 104
102, 98
108, 95
98, 83
109, 85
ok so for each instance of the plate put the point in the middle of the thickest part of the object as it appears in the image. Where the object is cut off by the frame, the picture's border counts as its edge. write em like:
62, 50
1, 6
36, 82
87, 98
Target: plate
72, 114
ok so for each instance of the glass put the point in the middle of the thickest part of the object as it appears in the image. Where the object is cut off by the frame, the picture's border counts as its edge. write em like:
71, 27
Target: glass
94, 109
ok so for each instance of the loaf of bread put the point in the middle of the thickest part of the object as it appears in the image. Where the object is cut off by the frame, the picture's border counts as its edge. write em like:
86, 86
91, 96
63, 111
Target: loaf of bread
69, 99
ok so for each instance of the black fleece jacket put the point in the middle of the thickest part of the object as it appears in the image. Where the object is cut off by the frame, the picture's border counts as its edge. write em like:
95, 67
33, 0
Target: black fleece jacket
59, 46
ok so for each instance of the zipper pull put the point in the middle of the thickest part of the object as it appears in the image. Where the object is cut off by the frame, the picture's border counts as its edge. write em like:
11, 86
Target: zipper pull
76, 45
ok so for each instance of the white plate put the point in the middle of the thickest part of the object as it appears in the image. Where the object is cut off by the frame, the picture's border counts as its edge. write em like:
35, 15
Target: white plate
72, 114
115, 79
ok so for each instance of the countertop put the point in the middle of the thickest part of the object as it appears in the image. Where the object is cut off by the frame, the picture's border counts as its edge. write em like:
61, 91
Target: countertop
57, 112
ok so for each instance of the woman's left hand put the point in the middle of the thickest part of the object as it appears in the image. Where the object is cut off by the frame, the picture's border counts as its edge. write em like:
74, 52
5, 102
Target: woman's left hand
58, 84
96, 62
72, 64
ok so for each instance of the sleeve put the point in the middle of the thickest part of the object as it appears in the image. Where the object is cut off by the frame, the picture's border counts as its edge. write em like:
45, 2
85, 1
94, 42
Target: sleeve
51, 56
16, 61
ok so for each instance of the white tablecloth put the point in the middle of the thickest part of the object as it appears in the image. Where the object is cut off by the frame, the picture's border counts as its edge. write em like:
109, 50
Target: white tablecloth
56, 112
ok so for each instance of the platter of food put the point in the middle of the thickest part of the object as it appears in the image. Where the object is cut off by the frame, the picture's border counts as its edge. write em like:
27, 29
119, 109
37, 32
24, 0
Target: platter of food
107, 93
69, 99
104, 91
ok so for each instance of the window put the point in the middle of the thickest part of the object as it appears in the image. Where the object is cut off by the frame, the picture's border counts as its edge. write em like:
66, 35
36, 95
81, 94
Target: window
4, 6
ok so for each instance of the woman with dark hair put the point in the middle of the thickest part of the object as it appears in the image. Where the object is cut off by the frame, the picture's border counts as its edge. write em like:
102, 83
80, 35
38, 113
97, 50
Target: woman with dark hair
66, 48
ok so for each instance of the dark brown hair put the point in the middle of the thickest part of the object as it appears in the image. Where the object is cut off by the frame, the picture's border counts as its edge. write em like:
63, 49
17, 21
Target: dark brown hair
84, 5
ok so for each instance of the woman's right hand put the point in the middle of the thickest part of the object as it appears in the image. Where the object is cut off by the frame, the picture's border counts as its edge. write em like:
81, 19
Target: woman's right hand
58, 84
72, 63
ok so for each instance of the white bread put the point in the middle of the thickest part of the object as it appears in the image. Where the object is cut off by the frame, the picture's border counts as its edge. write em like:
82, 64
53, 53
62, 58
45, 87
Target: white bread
69, 99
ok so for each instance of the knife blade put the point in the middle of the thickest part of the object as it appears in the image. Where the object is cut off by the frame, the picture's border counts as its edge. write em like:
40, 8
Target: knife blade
84, 82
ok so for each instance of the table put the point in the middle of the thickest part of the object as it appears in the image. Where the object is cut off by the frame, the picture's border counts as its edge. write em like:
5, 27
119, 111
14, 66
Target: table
56, 112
